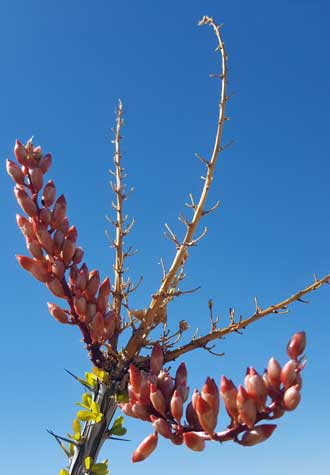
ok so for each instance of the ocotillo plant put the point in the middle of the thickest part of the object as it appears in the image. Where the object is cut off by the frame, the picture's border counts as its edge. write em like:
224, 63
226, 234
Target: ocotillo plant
142, 386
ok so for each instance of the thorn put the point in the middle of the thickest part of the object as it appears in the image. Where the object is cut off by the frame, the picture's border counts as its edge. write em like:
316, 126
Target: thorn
80, 380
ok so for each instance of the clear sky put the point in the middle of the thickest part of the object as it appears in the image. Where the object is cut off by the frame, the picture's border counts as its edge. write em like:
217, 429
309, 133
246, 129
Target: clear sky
63, 66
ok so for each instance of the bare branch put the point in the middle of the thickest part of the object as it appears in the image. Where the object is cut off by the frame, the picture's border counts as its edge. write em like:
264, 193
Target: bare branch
200, 342
136, 341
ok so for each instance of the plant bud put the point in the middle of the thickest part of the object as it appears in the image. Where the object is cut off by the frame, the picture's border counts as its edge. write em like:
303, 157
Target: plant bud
78, 255
109, 324
98, 325
177, 439
26, 227
59, 212
210, 394
183, 392
49, 194
157, 400
207, 416
228, 393
127, 409
44, 237
156, 359
289, 373
166, 385
140, 411
45, 216
176, 407
272, 392
104, 291
67, 251
256, 389
35, 249
258, 434
80, 307
247, 410
25, 202
194, 441
37, 179
58, 242
296, 345
291, 398
92, 284
45, 163
15, 172
20, 153
58, 269
58, 313
39, 269
135, 378
64, 225
161, 426
146, 447
73, 274
192, 418
56, 287
274, 373
82, 277
91, 311
181, 375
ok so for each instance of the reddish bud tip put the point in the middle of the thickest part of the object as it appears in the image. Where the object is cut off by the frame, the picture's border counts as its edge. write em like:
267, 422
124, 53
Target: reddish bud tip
146, 447
258, 434
296, 345
194, 441
156, 359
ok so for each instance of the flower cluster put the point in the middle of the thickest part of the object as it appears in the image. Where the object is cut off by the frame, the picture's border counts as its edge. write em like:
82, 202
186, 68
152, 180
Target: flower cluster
156, 397
52, 243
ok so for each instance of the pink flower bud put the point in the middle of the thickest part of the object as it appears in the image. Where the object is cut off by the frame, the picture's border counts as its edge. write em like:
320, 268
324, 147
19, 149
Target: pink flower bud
26, 227
58, 313
45, 163
166, 385
39, 269
161, 426
74, 275
78, 255
15, 172
98, 325
82, 278
192, 418
102, 299
20, 153
92, 284
59, 212
228, 393
58, 269
56, 287
247, 410
127, 409
146, 447
156, 359
210, 394
45, 216
68, 250
194, 441
258, 434
176, 407
291, 398
80, 307
289, 373
271, 390
109, 324
207, 416
49, 194
35, 249
58, 242
183, 392
44, 237
37, 179
135, 378
90, 312
256, 389
181, 375
157, 400
64, 226
140, 411
25, 202
296, 345
274, 373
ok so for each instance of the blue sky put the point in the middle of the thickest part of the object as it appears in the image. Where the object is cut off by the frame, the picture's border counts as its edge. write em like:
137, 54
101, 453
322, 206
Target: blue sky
63, 65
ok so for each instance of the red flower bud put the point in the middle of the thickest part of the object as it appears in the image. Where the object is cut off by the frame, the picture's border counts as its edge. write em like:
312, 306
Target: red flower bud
157, 399
135, 378
289, 373
247, 410
45, 162
291, 398
56, 287
78, 255
258, 434
26, 227
181, 375
146, 447
207, 416
228, 393
274, 373
176, 407
44, 237
140, 411
92, 284
25, 202
35, 249
58, 313
59, 212
39, 269
156, 359
194, 441
104, 291
15, 172
80, 307
98, 325
192, 418
58, 269
161, 426
68, 250
109, 324
210, 394
45, 216
296, 345
49, 194
20, 153
256, 389
37, 179
166, 385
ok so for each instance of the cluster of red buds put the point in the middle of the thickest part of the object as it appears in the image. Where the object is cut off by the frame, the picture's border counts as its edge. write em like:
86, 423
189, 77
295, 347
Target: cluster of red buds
52, 243
156, 397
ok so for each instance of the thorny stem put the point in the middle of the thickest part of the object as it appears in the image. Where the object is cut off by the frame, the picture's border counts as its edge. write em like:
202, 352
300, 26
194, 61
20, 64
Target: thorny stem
118, 292
136, 341
202, 341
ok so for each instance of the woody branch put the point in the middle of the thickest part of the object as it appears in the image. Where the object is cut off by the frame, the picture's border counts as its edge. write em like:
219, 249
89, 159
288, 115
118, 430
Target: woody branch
138, 337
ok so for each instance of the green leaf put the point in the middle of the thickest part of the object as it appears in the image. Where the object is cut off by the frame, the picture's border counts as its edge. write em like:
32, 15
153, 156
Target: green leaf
76, 426
85, 416
95, 407
87, 399
122, 397
88, 462
100, 468
118, 431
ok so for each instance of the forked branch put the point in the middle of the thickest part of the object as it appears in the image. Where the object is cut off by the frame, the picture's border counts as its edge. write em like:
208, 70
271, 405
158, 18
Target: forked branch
136, 341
